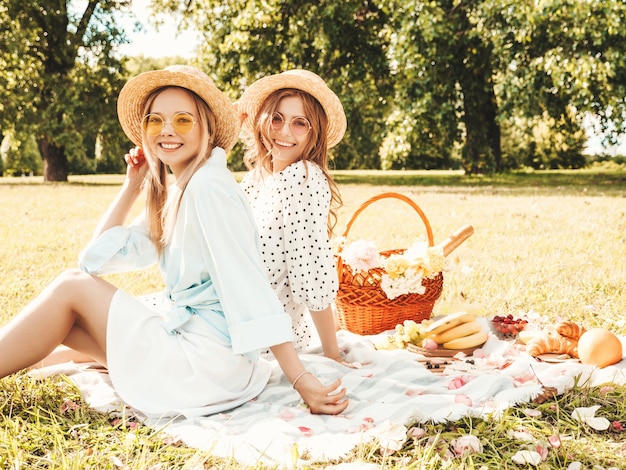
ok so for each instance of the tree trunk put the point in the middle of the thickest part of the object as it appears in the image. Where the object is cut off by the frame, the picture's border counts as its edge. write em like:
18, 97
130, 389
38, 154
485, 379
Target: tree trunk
55, 166
482, 152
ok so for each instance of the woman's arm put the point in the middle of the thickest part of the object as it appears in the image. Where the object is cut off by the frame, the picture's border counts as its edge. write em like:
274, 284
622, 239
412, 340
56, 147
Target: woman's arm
320, 399
326, 327
122, 204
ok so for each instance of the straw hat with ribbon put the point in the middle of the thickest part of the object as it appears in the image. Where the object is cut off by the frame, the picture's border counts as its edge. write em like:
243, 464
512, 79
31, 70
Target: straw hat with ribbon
132, 98
254, 96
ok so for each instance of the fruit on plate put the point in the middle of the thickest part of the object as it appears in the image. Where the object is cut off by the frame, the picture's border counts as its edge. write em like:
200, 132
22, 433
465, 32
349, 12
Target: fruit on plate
469, 341
599, 347
508, 327
460, 330
407, 332
449, 321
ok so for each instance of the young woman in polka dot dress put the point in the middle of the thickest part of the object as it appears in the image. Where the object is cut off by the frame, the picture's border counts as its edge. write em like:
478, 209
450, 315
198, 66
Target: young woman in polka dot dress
293, 118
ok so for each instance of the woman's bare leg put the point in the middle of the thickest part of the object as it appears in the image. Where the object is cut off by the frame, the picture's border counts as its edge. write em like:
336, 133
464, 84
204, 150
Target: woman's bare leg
74, 299
78, 346
63, 354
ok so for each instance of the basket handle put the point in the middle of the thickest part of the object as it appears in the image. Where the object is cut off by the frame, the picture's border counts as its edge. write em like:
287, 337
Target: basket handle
402, 197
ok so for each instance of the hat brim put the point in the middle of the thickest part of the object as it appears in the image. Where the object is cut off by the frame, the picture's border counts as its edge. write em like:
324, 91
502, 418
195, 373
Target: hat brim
133, 96
251, 100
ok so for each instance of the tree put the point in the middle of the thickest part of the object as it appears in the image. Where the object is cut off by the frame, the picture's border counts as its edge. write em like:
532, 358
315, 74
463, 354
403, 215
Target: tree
61, 74
339, 40
465, 68
20, 155
561, 60
444, 87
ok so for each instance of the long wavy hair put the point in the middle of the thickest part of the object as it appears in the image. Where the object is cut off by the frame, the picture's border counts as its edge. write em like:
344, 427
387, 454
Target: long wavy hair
315, 150
160, 208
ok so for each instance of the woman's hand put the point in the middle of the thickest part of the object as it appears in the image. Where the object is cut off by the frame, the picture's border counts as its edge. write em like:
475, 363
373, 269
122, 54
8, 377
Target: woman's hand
352, 365
322, 399
137, 166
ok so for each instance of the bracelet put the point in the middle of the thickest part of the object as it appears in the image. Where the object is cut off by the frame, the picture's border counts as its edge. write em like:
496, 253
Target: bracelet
293, 385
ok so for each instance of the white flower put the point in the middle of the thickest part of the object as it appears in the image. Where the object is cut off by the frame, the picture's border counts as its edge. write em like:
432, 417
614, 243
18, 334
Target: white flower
390, 435
588, 416
404, 272
527, 457
361, 255
522, 435
409, 283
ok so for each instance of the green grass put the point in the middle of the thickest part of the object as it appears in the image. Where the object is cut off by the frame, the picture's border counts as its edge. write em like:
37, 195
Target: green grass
550, 244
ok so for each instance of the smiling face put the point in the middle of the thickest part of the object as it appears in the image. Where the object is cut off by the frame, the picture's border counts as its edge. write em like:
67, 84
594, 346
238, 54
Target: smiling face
175, 149
284, 145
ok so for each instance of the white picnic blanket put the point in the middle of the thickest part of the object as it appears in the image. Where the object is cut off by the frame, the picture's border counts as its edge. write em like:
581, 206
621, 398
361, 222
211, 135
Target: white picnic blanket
390, 391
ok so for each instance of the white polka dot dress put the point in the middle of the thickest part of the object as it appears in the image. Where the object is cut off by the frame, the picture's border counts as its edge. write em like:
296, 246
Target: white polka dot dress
291, 210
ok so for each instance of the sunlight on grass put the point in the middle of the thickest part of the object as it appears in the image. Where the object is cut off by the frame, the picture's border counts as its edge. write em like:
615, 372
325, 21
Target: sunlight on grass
555, 248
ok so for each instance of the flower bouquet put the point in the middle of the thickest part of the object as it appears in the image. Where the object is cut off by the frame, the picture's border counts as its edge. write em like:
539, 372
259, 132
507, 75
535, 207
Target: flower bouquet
378, 290
403, 271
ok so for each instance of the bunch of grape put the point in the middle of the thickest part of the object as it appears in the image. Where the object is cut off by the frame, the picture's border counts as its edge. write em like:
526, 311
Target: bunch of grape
508, 327
407, 332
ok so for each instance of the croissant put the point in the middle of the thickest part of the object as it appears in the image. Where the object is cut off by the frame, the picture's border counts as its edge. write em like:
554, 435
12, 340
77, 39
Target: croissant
552, 343
569, 329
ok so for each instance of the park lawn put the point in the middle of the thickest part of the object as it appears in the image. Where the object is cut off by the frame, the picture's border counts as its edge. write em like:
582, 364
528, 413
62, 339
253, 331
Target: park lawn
548, 245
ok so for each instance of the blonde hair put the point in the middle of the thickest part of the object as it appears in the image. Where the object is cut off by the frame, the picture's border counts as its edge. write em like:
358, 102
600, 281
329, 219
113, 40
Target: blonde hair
160, 209
315, 150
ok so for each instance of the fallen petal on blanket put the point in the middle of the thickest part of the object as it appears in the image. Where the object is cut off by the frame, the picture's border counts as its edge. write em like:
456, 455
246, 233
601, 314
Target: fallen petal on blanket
463, 400
459, 382
287, 415
306, 431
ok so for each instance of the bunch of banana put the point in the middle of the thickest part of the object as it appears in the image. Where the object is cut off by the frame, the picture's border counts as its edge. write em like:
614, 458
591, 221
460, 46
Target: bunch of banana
460, 330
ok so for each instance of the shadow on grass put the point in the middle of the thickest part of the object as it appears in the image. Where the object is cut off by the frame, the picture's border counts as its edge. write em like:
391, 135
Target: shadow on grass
609, 183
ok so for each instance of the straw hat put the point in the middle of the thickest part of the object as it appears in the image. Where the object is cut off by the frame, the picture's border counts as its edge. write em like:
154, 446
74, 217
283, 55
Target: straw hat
251, 100
132, 98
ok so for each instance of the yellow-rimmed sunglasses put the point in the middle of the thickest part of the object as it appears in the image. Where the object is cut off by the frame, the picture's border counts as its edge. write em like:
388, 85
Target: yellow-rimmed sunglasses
182, 123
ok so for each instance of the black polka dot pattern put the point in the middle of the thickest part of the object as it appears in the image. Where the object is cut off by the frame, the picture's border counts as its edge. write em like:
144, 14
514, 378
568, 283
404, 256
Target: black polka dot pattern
291, 211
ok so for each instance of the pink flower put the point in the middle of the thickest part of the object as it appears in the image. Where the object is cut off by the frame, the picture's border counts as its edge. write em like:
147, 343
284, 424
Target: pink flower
416, 433
533, 413
617, 426
287, 415
463, 399
69, 405
606, 389
479, 353
542, 451
466, 445
306, 431
459, 382
554, 441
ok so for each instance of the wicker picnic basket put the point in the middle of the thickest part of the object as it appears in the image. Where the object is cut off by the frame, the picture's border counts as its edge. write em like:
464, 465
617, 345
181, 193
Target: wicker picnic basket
362, 305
